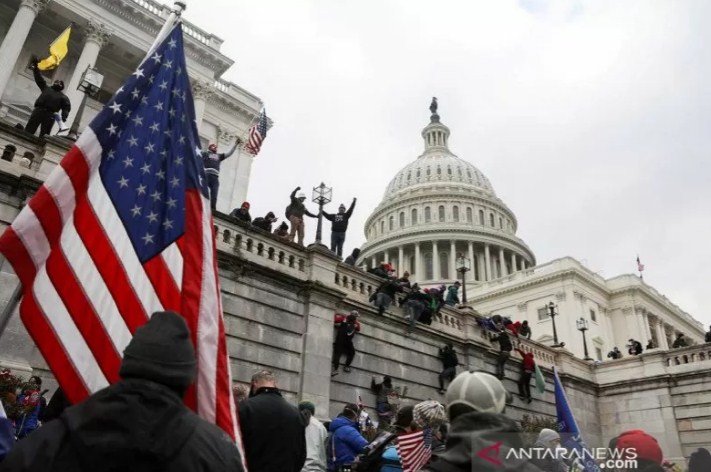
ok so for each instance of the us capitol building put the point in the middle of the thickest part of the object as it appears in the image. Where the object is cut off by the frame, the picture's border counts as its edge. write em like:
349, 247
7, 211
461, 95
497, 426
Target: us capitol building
440, 207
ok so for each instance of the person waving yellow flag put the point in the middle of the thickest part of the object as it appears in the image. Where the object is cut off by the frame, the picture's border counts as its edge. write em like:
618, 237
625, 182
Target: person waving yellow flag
57, 51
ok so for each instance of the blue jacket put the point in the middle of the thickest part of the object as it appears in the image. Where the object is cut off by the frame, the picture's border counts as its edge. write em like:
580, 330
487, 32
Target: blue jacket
346, 442
29, 421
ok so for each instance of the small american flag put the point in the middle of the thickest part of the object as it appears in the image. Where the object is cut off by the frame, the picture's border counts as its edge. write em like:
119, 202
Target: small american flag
120, 229
415, 449
640, 266
257, 135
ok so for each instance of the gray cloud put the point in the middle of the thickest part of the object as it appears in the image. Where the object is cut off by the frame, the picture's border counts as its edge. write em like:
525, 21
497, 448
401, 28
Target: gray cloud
590, 118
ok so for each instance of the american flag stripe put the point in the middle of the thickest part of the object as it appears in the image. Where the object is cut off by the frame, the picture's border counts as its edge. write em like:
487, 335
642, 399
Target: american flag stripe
257, 134
89, 279
414, 450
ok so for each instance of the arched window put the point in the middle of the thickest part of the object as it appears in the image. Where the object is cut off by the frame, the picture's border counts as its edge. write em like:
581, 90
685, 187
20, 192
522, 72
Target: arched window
470, 215
428, 172
402, 219
441, 213
481, 217
501, 223
455, 213
391, 223
429, 270
413, 219
428, 215
382, 227
491, 220
443, 265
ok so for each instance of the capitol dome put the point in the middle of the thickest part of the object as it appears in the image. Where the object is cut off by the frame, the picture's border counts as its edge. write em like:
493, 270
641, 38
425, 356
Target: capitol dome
440, 208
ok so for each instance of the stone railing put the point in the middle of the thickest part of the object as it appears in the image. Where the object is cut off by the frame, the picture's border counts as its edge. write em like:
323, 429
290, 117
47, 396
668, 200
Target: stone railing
689, 355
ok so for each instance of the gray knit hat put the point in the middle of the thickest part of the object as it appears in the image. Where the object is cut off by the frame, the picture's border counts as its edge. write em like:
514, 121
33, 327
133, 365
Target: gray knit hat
429, 413
161, 351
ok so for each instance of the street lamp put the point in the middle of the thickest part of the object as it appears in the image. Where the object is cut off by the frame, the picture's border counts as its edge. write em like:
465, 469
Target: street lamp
582, 327
552, 313
90, 84
463, 266
321, 195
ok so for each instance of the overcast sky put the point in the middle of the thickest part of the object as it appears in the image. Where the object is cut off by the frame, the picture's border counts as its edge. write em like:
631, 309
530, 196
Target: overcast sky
590, 118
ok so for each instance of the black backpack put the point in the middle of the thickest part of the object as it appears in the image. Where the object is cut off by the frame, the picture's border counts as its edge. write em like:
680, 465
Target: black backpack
371, 460
287, 211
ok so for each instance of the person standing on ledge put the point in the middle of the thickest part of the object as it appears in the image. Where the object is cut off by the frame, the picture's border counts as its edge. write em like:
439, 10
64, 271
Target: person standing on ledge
50, 101
212, 160
295, 213
339, 226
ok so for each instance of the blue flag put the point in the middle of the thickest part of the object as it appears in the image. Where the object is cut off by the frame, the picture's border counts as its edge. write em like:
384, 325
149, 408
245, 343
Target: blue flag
570, 437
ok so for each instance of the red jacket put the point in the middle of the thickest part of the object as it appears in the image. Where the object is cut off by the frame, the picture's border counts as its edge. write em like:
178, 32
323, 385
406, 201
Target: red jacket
528, 362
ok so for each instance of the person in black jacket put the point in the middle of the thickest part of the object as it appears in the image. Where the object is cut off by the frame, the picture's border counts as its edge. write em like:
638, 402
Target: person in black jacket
211, 159
351, 260
449, 365
385, 294
242, 213
265, 222
273, 431
346, 329
680, 341
634, 347
139, 423
505, 348
414, 304
339, 226
50, 101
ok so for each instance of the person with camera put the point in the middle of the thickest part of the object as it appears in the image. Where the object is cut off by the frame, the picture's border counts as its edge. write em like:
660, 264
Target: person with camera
52, 100
295, 213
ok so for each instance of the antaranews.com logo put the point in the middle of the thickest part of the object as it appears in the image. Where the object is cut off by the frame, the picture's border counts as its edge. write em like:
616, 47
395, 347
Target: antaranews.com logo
609, 459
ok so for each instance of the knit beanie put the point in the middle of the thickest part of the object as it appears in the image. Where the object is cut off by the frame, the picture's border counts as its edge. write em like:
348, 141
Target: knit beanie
430, 413
547, 435
308, 406
161, 351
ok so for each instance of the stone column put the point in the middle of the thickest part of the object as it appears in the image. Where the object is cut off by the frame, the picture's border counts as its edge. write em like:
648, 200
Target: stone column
661, 335
522, 263
435, 261
487, 261
202, 91
452, 260
418, 262
373, 262
502, 262
16, 37
647, 331
386, 257
513, 262
471, 260
400, 260
96, 36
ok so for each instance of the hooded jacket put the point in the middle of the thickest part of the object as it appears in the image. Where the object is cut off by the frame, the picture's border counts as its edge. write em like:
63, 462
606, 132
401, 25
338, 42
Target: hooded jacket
351, 260
469, 447
50, 99
135, 425
273, 432
345, 444
339, 221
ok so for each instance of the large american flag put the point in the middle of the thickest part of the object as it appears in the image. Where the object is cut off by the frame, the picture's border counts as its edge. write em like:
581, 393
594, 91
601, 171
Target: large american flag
415, 449
120, 229
257, 134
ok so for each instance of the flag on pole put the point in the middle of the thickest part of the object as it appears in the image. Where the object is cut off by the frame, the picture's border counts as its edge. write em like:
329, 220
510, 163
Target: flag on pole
57, 51
120, 229
257, 135
414, 449
540, 380
570, 437
640, 266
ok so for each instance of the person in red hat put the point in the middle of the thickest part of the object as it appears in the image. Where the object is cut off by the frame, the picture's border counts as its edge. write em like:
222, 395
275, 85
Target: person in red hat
242, 213
636, 445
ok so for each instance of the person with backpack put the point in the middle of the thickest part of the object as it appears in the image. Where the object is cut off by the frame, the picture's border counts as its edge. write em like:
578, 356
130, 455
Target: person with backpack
345, 441
346, 329
339, 225
295, 214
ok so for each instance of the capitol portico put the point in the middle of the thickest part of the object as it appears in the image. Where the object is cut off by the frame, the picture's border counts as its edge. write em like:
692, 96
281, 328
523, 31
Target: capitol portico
438, 208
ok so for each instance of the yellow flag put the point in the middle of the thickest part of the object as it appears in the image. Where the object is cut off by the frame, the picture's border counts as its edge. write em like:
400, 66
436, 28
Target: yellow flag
57, 51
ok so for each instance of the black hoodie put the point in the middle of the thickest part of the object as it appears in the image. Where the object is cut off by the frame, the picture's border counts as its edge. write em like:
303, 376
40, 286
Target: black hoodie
135, 425
481, 442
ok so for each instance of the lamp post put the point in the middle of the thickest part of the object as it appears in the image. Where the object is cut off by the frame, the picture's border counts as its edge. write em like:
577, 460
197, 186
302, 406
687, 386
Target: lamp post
321, 195
463, 266
582, 327
90, 84
552, 313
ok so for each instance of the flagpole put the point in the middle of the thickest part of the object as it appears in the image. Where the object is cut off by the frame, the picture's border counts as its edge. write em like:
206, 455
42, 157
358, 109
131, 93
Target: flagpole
178, 9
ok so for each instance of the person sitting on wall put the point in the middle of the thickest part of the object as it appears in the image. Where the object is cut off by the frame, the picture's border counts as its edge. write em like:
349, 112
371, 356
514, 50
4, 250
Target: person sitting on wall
614, 354
52, 100
385, 294
404, 281
650, 345
282, 232
265, 222
524, 330
414, 305
680, 341
242, 213
635, 347
351, 260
